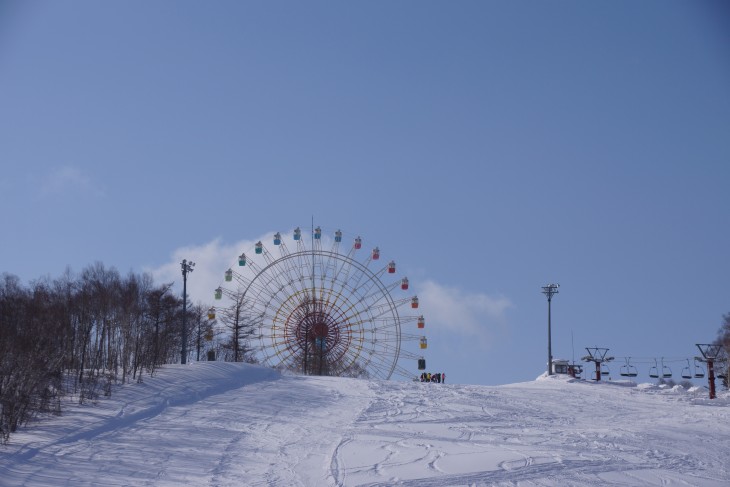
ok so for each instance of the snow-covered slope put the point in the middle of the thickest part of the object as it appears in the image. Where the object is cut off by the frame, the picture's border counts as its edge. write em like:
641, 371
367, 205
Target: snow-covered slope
220, 424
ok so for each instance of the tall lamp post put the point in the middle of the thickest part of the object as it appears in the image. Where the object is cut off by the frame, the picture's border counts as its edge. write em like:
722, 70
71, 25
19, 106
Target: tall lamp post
186, 268
550, 290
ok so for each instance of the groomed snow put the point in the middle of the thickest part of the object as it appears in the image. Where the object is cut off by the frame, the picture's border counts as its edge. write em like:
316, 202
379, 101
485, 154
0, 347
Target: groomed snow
222, 424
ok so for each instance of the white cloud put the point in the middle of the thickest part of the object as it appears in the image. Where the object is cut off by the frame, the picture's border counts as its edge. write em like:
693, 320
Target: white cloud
68, 179
211, 261
474, 315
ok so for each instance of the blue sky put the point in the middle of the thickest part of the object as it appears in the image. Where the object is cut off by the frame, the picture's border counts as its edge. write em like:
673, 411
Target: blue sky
489, 147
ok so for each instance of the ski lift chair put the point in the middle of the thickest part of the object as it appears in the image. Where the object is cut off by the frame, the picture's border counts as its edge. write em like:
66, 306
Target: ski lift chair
699, 370
628, 370
654, 371
666, 371
687, 372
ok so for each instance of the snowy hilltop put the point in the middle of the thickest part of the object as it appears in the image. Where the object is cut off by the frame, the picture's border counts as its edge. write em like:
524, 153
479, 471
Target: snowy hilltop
225, 424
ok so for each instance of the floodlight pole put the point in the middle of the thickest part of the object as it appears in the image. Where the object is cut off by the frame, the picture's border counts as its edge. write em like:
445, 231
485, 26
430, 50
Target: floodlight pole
186, 268
549, 291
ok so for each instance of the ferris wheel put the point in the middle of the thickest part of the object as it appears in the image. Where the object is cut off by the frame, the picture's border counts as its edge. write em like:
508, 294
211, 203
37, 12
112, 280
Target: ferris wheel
327, 308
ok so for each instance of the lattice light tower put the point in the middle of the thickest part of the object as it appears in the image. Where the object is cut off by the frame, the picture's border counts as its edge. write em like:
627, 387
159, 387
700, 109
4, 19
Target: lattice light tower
598, 356
550, 290
187, 267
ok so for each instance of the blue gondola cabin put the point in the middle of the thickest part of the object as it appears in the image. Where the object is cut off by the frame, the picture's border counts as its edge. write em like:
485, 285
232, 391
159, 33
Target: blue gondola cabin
259, 247
297, 234
338, 236
242, 260
277, 238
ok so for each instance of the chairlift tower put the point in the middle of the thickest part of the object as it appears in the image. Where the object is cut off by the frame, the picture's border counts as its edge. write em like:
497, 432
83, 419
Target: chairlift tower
598, 356
710, 354
550, 290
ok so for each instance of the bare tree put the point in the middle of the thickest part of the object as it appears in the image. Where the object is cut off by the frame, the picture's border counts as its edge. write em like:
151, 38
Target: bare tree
94, 330
241, 327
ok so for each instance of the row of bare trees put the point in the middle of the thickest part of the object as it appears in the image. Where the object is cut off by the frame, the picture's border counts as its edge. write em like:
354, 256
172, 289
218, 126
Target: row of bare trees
79, 334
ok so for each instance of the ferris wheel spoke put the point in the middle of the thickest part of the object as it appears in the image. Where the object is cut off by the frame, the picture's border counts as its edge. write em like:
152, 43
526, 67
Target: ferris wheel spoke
268, 258
283, 250
410, 355
361, 271
294, 276
374, 312
240, 279
276, 277
345, 268
294, 272
377, 295
404, 373
253, 266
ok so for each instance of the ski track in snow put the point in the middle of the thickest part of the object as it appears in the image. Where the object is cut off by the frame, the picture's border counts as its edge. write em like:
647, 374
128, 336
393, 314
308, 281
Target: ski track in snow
217, 424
